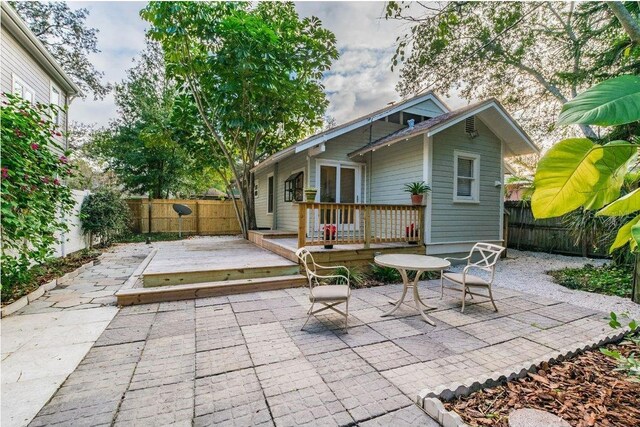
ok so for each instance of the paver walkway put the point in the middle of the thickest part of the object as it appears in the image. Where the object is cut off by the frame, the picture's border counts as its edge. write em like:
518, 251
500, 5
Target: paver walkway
242, 360
45, 341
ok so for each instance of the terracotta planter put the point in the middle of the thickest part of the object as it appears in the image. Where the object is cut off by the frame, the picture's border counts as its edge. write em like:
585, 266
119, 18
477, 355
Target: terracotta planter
416, 199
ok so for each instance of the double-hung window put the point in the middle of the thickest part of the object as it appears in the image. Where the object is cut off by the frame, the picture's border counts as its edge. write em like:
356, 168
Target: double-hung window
466, 179
55, 100
21, 89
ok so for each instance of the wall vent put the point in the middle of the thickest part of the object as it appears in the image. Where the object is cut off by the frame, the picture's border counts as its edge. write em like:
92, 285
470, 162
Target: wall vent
470, 127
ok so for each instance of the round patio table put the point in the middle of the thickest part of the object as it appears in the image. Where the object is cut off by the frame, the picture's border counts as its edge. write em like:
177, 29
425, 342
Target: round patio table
417, 263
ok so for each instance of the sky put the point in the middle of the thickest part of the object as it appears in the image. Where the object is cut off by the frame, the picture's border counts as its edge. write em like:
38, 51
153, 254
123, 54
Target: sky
359, 82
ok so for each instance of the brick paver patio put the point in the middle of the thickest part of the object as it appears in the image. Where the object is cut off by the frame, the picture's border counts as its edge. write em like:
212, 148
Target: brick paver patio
242, 360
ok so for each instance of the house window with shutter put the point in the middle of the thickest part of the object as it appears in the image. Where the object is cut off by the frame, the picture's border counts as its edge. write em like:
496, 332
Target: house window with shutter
466, 177
294, 187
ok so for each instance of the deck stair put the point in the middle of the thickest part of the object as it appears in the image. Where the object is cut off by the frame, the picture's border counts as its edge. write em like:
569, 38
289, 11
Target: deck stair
144, 295
196, 268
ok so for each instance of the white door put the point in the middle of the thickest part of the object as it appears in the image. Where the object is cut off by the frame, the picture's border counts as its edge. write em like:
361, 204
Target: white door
338, 183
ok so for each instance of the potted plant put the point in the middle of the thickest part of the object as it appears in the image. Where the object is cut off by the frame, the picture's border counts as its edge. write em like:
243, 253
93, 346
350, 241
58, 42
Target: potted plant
417, 190
310, 194
329, 232
412, 233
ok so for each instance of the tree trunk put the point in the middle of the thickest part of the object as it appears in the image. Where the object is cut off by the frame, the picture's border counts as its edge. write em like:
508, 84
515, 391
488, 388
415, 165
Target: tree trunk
629, 23
635, 290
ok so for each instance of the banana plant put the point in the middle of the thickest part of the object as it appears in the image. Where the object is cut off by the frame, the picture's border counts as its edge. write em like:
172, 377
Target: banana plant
577, 172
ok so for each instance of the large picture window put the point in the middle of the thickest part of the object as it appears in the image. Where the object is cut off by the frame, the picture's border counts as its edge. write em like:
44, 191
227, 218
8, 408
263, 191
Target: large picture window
294, 187
466, 177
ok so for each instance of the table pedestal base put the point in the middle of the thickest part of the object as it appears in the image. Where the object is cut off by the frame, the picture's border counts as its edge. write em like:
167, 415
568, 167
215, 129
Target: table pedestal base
416, 297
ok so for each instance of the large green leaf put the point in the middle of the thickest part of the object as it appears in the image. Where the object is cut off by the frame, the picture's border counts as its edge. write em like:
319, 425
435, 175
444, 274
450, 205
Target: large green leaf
624, 235
609, 103
625, 205
576, 172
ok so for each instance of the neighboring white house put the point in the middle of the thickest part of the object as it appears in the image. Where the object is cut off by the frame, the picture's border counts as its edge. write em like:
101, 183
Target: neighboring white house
27, 69
459, 153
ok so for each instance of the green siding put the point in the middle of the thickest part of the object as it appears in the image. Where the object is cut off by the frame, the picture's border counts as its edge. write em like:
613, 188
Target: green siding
454, 222
393, 167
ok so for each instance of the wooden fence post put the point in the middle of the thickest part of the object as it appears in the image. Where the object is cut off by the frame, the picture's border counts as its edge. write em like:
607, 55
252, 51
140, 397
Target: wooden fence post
423, 225
197, 218
367, 226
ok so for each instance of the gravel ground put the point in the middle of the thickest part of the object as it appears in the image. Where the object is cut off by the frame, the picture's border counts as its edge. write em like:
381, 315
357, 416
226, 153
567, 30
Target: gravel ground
526, 272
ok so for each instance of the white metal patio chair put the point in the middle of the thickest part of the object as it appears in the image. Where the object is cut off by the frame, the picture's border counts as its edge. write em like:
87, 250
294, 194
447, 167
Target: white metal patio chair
328, 295
489, 255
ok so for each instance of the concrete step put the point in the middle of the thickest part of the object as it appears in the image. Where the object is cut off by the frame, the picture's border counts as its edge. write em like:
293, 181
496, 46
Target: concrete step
134, 296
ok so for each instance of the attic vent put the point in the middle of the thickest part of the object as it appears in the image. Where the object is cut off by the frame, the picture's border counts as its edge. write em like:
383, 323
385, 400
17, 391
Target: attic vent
470, 126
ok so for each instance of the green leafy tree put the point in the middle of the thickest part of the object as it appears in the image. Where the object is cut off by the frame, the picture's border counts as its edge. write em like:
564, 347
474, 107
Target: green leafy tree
533, 56
34, 198
143, 147
65, 34
578, 173
104, 215
254, 75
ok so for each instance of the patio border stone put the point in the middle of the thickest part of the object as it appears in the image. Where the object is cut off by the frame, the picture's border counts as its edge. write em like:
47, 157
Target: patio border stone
34, 295
430, 400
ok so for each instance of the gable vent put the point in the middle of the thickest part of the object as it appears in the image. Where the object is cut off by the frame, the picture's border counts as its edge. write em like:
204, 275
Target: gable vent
470, 126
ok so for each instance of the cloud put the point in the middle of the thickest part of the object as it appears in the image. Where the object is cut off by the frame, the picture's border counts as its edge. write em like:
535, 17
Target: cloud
359, 82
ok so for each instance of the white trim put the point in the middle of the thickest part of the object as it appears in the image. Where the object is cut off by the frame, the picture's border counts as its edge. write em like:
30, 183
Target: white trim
475, 184
443, 248
401, 106
273, 196
501, 191
427, 172
475, 111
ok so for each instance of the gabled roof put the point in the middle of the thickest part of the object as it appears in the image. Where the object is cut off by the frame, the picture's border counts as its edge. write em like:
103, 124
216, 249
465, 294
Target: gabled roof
490, 111
16, 26
349, 126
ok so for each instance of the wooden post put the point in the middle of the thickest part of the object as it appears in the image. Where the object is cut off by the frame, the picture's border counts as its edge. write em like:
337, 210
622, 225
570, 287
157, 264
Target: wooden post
367, 226
197, 218
505, 232
423, 225
302, 224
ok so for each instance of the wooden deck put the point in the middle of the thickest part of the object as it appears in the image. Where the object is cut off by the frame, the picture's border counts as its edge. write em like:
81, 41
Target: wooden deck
212, 260
285, 244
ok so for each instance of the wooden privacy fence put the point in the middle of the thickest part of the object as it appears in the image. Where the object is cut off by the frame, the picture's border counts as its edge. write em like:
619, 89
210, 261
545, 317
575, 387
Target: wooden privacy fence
547, 235
208, 217
356, 223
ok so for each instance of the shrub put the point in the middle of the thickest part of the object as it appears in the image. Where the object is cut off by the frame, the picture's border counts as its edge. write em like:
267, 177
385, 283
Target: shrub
104, 215
34, 200
610, 279
385, 274
357, 277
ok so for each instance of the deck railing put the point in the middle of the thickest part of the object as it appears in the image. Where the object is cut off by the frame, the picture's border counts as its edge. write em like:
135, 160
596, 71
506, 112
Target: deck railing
356, 223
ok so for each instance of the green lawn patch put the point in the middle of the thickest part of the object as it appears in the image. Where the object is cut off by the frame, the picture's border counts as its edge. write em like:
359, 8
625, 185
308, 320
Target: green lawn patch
608, 279
142, 237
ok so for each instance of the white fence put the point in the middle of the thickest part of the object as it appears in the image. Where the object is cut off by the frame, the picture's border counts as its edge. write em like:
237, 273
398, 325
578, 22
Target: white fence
73, 240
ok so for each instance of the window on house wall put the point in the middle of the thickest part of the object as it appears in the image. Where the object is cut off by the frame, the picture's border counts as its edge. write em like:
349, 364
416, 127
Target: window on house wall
270, 196
55, 100
21, 89
294, 187
256, 184
466, 177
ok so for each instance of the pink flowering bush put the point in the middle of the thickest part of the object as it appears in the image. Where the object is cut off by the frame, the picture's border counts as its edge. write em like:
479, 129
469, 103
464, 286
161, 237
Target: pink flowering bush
33, 168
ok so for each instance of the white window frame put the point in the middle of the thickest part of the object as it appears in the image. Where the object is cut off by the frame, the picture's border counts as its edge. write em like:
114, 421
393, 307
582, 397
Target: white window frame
256, 185
271, 197
55, 115
475, 184
15, 79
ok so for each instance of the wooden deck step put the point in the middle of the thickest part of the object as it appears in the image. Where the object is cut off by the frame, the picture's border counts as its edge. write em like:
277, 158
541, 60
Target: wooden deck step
218, 275
209, 289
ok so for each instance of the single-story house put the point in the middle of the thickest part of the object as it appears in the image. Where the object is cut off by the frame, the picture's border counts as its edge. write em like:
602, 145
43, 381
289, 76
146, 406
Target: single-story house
460, 153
